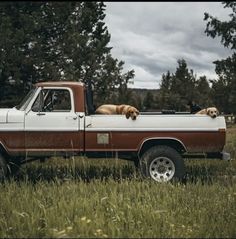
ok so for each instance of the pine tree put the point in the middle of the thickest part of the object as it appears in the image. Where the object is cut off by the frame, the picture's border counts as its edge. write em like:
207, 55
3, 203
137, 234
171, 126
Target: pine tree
202, 94
165, 87
178, 88
148, 101
224, 89
182, 86
43, 41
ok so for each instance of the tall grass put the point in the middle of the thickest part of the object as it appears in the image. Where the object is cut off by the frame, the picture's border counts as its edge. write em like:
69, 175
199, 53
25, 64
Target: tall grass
108, 198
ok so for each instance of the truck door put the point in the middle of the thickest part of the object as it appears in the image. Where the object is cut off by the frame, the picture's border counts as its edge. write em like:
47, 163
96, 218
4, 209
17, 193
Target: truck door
51, 124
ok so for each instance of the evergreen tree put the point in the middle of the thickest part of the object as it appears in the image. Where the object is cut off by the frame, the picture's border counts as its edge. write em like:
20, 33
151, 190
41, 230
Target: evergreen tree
148, 101
224, 89
138, 103
220, 95
177, 89
43, 41
202, 92
16, 68
224, 29
165, 90
183, 81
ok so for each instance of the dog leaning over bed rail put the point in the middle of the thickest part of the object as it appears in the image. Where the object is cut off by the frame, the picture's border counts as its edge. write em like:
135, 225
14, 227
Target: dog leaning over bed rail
211, 111
110, 109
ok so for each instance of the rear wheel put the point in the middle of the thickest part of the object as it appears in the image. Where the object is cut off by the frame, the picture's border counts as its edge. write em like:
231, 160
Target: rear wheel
162, 164
3, 167
13, 167
8, 166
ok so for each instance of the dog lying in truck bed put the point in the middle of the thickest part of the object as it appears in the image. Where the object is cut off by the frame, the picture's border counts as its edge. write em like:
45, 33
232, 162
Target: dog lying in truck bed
127, 110
211, 111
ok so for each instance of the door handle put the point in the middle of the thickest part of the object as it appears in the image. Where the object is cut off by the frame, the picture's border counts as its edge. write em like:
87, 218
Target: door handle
72, 117
40, 113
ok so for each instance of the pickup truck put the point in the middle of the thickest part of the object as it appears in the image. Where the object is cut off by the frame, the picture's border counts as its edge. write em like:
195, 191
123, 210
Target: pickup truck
54, 118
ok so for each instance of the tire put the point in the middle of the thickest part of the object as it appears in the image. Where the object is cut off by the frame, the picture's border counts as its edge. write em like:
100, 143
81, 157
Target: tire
136, 163
13, 167
162, 164
3, 168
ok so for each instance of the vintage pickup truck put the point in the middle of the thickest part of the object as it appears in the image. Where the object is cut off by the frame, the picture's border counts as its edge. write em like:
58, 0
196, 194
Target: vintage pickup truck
54, 119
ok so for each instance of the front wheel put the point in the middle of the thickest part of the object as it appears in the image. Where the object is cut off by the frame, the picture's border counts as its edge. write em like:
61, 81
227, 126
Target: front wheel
162, 164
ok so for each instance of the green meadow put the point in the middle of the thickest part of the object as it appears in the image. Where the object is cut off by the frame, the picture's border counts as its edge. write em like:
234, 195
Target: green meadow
80, 197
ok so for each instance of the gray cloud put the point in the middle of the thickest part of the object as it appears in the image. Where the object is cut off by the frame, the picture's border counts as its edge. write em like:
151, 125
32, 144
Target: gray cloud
151, 36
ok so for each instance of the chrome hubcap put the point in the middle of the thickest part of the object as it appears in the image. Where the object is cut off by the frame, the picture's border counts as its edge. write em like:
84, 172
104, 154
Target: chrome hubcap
162, 169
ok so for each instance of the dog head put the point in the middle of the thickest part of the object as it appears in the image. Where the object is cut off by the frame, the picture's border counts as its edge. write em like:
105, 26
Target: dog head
212, 112
132, 112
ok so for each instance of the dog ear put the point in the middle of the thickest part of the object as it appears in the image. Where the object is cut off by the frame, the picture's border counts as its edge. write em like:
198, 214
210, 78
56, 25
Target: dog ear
208, 111
127, 114
121, 109
217, 112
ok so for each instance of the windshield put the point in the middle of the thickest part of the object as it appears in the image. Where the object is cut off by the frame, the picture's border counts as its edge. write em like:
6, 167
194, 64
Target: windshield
24, 103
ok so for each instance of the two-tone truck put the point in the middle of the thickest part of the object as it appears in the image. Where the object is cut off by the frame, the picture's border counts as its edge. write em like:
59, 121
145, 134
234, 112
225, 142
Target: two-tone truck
54, 118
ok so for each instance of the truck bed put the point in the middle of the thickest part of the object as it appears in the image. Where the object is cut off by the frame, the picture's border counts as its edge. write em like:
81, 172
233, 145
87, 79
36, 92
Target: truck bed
195, 132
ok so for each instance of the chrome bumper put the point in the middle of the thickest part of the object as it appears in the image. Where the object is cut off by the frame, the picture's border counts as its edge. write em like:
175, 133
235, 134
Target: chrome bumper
226, 156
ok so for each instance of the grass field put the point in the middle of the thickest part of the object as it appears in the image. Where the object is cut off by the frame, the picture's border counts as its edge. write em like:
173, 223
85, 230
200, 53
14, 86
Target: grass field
108, 198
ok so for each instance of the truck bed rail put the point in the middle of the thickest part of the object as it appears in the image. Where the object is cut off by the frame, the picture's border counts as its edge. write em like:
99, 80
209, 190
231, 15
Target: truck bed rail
169, 112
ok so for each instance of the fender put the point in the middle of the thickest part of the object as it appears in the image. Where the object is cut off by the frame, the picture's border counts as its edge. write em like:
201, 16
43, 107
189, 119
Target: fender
173, 142
3, 149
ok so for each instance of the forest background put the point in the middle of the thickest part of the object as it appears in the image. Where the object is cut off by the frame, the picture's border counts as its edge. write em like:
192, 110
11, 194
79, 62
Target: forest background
54, 41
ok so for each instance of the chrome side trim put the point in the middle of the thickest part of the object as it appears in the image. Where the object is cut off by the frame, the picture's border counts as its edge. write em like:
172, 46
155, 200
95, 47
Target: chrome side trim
161, 138
152, 129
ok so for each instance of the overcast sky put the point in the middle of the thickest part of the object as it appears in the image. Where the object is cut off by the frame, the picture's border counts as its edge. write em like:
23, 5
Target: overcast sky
151, 36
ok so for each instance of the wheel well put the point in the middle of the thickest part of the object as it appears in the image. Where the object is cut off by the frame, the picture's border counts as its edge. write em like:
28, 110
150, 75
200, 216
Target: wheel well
3, 151
173, 143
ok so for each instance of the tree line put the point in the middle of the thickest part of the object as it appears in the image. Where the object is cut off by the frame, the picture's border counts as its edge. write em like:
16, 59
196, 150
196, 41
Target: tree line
182, 86
177, 90
53, 41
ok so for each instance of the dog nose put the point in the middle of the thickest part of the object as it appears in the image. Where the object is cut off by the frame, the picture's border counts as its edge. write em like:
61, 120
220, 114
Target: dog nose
214, 116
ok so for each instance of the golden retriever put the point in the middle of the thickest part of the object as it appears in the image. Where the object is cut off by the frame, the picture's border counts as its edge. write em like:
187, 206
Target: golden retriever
211, 111
127, 110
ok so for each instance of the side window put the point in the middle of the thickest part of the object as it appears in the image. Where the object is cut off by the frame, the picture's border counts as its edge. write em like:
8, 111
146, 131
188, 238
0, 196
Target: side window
50, 100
